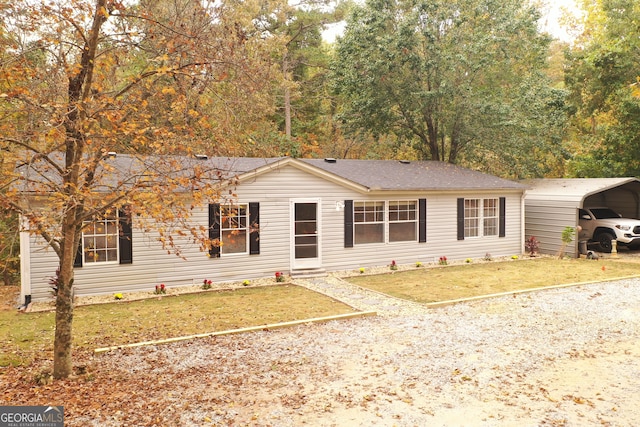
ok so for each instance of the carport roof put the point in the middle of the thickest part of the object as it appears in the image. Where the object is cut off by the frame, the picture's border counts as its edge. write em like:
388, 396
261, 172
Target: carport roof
571, 189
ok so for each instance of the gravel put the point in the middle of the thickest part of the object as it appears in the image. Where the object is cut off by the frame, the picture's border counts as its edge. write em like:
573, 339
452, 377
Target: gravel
565, 357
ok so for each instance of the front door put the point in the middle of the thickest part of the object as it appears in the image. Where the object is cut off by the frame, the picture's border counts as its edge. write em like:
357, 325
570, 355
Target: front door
305, 235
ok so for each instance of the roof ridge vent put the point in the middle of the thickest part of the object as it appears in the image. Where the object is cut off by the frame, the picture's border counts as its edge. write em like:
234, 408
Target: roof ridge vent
111, 155
330, 160
405, 162
201, 157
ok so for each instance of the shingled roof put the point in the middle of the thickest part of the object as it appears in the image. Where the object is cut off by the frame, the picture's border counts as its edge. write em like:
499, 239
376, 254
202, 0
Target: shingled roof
411, 176
369, 175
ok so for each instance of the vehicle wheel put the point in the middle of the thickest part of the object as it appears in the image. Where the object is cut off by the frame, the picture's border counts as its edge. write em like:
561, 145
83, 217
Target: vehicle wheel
604, 240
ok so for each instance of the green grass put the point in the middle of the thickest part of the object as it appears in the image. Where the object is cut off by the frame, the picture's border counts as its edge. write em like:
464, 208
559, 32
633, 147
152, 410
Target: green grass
426, 285
29, 335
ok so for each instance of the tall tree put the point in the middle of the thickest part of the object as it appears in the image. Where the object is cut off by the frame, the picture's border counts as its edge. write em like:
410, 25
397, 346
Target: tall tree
85, 78
602, 77
447, 77
302, 91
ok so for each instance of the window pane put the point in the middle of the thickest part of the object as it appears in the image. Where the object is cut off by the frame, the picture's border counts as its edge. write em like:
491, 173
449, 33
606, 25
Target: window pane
100, 242
490, 226
305, 211
112, 227
234, 241
308, 227
112, 255
369, 233
470, 227
402, 232
306, 247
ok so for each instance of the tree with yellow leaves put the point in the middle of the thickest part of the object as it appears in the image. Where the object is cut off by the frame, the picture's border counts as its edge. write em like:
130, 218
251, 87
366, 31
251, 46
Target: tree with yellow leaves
82, 79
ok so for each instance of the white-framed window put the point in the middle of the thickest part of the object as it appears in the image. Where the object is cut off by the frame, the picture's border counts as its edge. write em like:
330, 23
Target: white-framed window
490, 217
380, 221
403, 220
368, 222
100, 239
481, 217
234, 229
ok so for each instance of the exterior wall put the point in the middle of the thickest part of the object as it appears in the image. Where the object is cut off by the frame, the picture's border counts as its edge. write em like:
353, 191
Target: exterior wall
274, 191
546, 220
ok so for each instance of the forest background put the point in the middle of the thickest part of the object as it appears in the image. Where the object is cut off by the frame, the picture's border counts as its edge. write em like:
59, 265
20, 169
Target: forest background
478, 83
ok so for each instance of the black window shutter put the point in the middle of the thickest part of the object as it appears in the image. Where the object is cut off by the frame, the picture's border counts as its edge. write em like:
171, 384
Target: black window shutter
254, 226
461, 218
348, 223
503, 222
422, 220
214, 228
77, 262
126, 236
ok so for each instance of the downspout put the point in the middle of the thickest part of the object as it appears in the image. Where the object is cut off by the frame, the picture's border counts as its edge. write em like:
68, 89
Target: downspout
25, 263
522, 222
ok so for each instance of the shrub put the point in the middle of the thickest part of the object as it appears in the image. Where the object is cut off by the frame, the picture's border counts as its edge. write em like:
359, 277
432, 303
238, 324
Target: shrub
532, 245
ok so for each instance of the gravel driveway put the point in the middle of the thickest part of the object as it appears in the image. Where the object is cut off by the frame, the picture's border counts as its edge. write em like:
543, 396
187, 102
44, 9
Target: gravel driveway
559, 357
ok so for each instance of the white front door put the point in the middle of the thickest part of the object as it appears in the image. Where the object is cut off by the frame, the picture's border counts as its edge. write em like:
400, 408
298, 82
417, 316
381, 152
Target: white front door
305, 233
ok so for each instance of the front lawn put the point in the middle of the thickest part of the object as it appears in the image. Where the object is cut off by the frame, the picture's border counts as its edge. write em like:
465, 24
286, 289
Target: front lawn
30, 335
434, 284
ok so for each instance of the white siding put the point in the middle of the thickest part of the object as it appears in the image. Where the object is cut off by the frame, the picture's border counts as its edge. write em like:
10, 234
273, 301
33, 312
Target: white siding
546, 221
274, 190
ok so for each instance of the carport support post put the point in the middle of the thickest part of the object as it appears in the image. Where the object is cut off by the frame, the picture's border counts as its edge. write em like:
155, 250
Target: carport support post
614, 248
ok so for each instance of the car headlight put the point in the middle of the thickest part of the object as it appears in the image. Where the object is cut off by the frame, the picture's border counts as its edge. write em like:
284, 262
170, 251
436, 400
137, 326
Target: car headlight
623, 227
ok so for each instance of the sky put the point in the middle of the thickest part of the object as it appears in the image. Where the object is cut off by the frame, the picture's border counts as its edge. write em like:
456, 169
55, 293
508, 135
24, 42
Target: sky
552, 11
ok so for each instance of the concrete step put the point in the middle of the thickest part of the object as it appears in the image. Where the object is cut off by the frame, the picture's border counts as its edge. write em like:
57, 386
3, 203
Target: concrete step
308, 273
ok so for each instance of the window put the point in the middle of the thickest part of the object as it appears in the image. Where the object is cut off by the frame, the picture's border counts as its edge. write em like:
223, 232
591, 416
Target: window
490, 217
368, 221
106, 240
471, 217
402, 221
368, 218
481, 217
372, 220
234, 228
100, 240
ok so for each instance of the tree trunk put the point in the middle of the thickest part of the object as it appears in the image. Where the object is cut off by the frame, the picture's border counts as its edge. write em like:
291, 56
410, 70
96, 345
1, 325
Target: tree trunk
62, 357
287, 97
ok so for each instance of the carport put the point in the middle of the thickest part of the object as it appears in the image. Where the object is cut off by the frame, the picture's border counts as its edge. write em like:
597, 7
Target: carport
552, 204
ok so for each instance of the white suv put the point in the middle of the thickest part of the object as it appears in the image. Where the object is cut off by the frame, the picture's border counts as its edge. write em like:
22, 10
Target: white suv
602, 225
